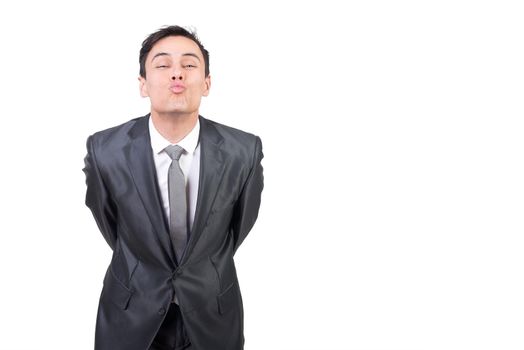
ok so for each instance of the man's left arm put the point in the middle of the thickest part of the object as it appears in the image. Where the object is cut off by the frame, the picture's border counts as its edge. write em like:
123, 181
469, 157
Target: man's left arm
246, 209
98, 198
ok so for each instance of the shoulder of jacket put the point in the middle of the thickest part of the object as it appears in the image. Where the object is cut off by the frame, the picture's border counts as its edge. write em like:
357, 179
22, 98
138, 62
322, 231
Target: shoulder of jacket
231, 133
114, 134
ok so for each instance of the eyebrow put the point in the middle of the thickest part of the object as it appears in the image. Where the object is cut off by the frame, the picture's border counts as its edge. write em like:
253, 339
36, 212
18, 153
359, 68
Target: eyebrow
184, 54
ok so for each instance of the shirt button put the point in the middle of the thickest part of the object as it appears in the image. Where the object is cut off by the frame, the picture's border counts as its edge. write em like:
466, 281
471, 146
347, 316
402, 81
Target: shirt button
161, 311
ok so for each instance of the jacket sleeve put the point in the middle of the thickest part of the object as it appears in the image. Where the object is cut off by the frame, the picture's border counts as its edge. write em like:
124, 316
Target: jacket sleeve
246, 209
97, 197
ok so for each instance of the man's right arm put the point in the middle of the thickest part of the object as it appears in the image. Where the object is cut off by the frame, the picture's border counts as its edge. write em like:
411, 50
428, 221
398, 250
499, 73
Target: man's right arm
98, 198
248, 204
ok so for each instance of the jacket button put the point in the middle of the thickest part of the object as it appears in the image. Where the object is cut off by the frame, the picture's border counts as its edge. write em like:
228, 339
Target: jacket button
161, 311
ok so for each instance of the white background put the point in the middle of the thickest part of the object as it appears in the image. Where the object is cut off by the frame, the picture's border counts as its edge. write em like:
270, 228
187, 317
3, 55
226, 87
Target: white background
392, 215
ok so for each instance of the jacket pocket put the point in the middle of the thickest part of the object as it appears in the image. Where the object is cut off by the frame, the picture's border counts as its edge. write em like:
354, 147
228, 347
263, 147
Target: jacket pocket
116, 291
228, 298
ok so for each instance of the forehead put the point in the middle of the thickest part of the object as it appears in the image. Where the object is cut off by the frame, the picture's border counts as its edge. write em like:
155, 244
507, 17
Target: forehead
175, 46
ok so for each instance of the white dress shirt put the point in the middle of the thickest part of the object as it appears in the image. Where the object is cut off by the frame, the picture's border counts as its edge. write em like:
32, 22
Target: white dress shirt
189, 163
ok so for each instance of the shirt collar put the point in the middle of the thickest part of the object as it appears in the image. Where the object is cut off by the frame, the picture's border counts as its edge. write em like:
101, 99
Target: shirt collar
159, 143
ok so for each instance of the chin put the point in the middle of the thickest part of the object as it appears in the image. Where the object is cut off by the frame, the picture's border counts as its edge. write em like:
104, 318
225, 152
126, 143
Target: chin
175, 111
172, 109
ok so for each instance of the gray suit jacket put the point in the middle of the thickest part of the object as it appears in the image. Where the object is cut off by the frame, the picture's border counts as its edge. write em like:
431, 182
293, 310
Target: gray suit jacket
123, 195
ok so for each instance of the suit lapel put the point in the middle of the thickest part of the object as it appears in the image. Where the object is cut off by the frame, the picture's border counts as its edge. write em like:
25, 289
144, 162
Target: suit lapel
211, 171
141, 164
139, 157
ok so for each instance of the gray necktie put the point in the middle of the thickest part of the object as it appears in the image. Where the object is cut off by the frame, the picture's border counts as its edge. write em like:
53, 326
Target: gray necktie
177, 202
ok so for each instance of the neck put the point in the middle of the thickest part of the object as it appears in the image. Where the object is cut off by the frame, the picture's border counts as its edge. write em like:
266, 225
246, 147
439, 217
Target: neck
174, 127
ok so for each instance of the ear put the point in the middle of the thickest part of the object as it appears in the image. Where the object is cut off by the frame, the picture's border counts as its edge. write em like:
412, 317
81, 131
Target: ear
143, 87
207, 86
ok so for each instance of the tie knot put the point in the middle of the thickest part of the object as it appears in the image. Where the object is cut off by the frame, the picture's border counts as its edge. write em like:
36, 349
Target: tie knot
174, 151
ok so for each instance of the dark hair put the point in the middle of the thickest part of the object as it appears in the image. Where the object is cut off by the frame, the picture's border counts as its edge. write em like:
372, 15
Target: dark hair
165, 32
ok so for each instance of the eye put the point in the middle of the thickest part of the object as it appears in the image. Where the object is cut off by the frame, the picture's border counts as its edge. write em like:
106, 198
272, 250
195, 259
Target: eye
189, 66
162, 66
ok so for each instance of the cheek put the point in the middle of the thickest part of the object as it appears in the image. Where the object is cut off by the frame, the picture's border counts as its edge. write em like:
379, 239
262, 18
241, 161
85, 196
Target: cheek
156, 88
198, 87
157, 80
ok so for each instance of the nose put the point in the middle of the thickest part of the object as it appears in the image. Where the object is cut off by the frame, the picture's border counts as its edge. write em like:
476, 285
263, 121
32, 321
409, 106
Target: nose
177, 74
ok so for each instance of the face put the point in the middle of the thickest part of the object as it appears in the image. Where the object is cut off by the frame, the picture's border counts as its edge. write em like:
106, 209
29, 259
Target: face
175, 76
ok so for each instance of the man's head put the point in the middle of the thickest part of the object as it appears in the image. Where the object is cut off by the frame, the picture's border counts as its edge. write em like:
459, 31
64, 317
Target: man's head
164, 32
174, 71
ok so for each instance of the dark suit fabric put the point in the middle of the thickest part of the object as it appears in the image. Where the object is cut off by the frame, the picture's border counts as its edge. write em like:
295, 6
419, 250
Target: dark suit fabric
123, 195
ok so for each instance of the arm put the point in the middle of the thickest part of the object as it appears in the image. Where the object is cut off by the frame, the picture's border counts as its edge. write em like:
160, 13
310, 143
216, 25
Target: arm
98, 198
246, 209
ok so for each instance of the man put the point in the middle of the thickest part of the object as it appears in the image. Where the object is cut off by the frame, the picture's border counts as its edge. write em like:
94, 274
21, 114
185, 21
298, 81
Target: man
174, 195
